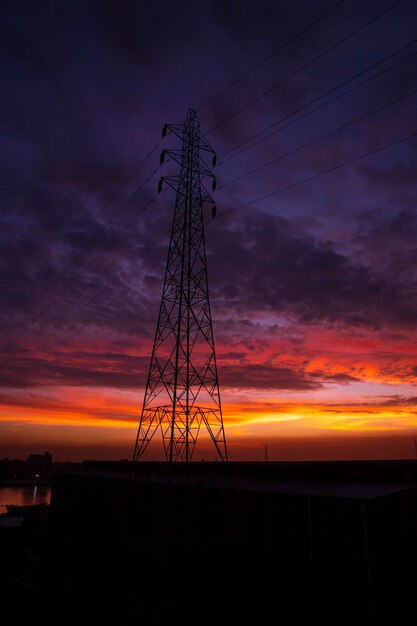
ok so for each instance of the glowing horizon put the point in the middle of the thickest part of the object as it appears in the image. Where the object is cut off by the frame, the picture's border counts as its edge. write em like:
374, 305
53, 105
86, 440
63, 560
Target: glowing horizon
70, 416
311, 258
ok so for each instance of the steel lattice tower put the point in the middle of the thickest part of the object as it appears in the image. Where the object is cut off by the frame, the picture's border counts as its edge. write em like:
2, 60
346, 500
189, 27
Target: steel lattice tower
182, 391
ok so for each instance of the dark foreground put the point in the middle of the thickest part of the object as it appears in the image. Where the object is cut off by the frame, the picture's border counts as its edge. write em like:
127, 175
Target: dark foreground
256, 543
48, 578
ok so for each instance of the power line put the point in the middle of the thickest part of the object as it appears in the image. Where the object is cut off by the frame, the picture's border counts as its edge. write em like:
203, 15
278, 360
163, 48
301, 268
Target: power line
282, 189
97, 295
328, 134
305, 66
309, 178
114, 238
296, 183
81, 274
267, 57
323, 95
93, 221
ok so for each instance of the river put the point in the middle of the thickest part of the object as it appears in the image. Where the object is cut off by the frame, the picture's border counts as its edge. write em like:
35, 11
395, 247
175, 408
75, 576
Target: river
24, 494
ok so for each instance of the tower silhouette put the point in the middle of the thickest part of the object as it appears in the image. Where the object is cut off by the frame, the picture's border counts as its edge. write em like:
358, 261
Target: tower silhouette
182, 391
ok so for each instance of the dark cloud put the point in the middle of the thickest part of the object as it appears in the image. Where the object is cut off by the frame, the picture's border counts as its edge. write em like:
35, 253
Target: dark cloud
283, 270
343, 379
115, 369
86, 89
93, 368
267, 377
398, 400
130, 27
392, 177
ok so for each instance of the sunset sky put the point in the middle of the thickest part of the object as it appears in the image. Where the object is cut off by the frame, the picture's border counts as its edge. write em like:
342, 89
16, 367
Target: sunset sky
312, 258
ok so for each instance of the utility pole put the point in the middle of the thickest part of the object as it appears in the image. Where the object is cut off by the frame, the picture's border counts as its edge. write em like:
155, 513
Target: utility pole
182, 391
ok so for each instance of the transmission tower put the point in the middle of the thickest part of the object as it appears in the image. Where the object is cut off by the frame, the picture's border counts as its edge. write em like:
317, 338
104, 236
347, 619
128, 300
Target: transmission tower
182, 390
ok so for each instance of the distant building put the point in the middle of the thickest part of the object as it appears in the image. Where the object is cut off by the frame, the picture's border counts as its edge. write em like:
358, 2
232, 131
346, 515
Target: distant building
39, 465
35, 467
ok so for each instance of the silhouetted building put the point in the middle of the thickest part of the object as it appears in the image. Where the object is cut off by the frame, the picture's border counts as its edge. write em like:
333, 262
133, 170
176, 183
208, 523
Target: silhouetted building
39, 465
35, 467
334, 542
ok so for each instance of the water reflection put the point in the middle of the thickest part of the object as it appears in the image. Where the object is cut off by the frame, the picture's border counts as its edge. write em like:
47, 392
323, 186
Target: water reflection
33, 494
